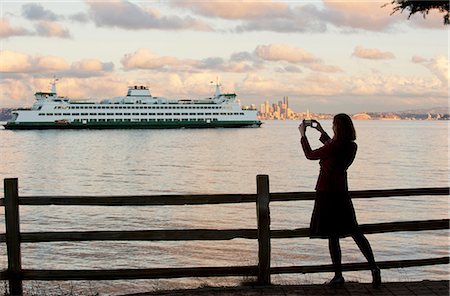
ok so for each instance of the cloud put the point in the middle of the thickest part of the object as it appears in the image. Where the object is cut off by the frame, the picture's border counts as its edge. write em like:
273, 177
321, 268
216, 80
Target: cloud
306, 18
372, 54
359, 14
284, 52
34, 11
146, 59
437, 66
126, 15
51, 29
6, 30
16, 63
236, 10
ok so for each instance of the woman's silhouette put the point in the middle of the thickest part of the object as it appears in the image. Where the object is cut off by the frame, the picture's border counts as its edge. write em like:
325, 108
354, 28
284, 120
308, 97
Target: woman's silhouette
333, 216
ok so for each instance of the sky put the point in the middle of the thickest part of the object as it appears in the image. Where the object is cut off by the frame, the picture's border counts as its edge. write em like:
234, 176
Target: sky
327, 56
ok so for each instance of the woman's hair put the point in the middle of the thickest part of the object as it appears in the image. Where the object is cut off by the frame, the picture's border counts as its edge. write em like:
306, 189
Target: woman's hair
344, 129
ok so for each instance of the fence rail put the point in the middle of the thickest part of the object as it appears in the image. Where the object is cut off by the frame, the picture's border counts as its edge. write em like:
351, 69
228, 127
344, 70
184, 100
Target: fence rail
13, 237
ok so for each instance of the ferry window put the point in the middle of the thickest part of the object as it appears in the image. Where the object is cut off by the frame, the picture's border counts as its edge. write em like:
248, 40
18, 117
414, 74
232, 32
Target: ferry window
110, 120
184, 114
135, 113
151, 114
192, 113
242, 113
143, 113
92, 113
185, 119
152, 120
118, 120
92, 120
168, 113
57, 114
109, 113
102, 120
215, 119
41, 114
160, 113
176, 113
201, 114
223, 113
84, 114
66, 113
76, 114
103, 107
119, 113
215, 113
127, 119
126, 113
160, 119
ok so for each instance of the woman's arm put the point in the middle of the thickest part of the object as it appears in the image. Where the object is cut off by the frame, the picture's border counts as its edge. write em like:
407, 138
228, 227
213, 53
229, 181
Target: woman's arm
317, 153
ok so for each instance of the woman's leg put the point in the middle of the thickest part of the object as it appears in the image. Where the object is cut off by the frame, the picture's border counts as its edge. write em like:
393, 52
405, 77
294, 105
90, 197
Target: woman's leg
335, 253
364, 246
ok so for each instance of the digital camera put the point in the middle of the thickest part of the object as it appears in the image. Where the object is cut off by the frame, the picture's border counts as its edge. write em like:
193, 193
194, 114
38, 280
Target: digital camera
310, 122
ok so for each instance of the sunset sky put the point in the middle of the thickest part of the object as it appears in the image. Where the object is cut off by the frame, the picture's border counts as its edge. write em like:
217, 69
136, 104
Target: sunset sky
326, 56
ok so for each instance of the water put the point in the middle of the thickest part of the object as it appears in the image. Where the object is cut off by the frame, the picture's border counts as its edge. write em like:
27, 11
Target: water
391, 154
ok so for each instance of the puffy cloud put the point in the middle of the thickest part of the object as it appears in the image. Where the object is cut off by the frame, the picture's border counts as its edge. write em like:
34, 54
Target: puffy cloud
236, 11
372, 54
126, 15
51, 29
6, 30
306, 18
359, 14
34, 11
13, 63
284, 52
437, 66
146, 59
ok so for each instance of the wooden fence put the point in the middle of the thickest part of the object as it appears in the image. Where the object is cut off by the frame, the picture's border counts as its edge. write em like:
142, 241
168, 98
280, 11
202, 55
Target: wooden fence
13, 237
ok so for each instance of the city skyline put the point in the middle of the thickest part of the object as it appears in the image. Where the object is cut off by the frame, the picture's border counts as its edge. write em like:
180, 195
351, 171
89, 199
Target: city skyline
333, 56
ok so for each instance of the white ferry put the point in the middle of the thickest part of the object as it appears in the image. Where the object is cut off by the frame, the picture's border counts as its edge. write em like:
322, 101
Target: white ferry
138, 109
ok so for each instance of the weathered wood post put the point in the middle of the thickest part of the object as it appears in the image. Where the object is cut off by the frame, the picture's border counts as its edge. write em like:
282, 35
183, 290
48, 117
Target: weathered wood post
13, 236
263, 216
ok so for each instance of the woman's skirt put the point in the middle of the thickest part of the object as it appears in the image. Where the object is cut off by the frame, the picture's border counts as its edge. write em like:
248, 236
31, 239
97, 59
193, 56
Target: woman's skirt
333, 215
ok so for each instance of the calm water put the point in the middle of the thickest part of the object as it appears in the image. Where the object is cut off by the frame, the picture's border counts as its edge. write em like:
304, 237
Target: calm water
391, 154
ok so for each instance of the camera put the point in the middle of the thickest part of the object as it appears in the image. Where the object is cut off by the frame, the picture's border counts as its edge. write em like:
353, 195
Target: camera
310, 122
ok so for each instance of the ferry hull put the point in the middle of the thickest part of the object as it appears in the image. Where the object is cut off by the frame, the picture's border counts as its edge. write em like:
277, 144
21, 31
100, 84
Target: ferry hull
131, 125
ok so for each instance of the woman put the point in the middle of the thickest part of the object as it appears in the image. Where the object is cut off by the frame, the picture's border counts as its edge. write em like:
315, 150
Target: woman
333, 216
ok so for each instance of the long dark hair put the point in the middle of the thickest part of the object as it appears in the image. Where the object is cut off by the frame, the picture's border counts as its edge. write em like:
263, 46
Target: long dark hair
344, 129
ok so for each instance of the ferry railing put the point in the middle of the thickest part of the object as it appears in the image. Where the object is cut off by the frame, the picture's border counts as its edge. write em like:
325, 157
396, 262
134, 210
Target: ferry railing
13, 237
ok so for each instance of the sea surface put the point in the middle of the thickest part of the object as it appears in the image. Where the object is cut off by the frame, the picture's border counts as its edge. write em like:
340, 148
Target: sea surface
391, 154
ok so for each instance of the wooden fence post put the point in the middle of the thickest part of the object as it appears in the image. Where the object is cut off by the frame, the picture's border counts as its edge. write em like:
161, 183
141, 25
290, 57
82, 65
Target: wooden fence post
263, 216
13, 236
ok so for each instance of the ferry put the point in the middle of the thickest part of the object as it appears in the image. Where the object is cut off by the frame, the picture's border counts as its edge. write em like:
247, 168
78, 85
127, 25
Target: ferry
137, 110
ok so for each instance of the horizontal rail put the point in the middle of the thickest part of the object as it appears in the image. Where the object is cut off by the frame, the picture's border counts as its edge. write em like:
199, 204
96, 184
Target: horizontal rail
122, 274
361, 266
213, 234
166, 200
156, 273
